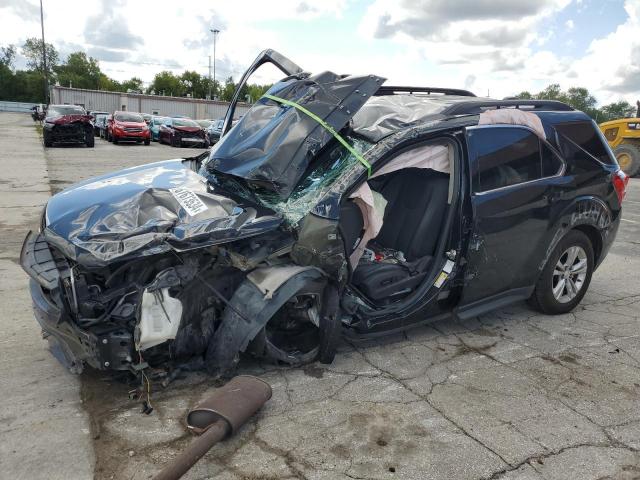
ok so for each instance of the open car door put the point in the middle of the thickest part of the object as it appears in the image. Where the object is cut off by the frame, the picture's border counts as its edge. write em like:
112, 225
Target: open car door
274, 143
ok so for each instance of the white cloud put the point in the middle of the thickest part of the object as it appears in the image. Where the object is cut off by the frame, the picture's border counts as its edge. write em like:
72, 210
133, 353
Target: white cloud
501, 46
611, 66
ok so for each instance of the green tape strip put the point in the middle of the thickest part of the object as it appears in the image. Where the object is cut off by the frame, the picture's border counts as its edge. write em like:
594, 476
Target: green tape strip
325, 125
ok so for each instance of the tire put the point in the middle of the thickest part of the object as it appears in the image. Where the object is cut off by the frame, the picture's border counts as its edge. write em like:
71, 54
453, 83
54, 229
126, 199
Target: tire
175, 142
89, 140
46, 139
554, 293
115, 140
107, 136
628, 156
296, 343
147, 141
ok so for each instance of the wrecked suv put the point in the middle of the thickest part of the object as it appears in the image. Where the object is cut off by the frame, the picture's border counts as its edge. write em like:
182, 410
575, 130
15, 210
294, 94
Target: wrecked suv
67, 124
336, 205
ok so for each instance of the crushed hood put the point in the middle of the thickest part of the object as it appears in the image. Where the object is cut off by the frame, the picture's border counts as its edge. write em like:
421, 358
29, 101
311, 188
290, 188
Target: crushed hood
273, 144
148, 210
66, 119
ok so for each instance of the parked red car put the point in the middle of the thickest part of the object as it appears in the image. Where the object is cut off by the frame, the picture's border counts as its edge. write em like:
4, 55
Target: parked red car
179, 132
128, 126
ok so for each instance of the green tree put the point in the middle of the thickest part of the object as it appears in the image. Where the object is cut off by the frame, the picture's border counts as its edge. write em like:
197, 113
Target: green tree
166, 83
226, 94
552, 92
7, 55
621, 109
193, 83
109, 84
79, 71
134, 84
32, 50
524, 95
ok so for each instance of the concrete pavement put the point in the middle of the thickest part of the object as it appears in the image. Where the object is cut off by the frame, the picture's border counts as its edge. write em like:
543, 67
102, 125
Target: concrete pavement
44, 431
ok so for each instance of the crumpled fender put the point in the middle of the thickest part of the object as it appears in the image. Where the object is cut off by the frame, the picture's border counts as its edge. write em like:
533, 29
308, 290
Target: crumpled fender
254, 302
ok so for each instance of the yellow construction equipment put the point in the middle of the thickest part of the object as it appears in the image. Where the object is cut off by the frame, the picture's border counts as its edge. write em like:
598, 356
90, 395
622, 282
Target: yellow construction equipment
623, 136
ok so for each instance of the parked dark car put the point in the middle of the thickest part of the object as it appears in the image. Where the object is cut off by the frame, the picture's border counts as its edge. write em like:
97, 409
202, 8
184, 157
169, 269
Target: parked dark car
99, 122
128, 127
67, 124
154, 126
335, 205
180, 131
214, 130
96, 115
103, 124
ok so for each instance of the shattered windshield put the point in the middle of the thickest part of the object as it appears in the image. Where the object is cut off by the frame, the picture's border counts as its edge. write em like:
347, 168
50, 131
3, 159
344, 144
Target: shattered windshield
328, 168
65, 110
184, 122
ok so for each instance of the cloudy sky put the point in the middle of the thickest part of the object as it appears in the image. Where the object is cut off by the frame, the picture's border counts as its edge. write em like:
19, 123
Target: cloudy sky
496, 47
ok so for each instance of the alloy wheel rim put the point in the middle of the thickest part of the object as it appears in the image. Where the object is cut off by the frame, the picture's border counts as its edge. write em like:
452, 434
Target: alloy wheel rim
569, 274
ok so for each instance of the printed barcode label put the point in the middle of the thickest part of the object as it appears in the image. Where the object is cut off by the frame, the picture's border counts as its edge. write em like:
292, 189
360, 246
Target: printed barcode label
188, 200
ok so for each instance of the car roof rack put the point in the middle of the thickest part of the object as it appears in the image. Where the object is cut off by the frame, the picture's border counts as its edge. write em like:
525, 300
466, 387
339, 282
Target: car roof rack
476, 107
393, 90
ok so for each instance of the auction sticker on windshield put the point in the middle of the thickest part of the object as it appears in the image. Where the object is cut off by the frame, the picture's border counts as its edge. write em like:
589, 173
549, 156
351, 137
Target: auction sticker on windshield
188, 200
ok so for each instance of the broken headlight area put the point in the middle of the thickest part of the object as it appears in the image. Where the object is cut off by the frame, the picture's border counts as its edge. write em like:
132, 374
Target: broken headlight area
165, 314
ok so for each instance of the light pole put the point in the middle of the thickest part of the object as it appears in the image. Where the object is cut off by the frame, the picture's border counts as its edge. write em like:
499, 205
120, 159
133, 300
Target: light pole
215, 32
44, 58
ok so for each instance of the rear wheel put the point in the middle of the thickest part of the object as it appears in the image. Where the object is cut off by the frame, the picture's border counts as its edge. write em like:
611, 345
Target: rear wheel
628, 156
566, 276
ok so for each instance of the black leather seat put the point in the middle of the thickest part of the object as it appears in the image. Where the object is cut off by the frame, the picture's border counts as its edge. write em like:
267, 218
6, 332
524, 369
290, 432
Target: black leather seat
416, 206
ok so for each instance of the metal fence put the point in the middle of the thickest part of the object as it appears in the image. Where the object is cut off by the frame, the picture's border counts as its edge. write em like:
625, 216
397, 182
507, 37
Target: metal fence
22, 107
97, 100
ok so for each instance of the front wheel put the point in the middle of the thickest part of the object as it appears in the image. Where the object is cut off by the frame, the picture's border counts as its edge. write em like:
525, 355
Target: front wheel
147, 141
175, 142
89, 139
47, 139
566, 276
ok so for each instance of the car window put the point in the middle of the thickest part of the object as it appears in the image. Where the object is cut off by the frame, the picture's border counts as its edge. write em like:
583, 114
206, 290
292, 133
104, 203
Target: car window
167, 122
504, 156
587, 136
184, 122
551, 163
65, 110
129, 117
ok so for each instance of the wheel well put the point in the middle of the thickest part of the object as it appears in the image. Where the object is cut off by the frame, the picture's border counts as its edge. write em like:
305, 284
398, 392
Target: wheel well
594, 237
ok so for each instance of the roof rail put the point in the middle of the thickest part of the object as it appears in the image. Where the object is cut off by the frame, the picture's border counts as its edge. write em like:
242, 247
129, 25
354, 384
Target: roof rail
392, 90
475, 107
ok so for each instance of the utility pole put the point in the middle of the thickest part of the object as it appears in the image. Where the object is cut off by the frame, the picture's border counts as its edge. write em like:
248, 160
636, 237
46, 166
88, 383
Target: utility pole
44, 58
215, 32
210, 97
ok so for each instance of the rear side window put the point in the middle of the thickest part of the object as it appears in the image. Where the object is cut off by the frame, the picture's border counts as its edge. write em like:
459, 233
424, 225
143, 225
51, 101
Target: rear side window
504, 156
587, 136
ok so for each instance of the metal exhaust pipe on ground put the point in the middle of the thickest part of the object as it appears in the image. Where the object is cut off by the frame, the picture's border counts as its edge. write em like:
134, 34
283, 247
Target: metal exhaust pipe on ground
216, 418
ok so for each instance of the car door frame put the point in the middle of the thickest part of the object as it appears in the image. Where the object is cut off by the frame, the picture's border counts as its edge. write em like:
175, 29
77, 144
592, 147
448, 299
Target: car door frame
478, 259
